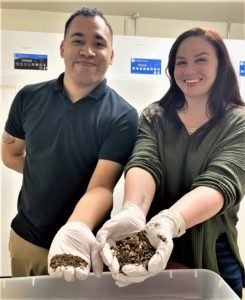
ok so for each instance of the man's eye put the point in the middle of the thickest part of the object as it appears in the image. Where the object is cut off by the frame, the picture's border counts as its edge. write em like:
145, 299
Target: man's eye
77, 42
100, 44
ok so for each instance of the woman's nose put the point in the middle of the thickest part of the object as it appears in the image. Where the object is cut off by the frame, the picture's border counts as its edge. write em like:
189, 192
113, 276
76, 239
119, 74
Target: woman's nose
189, 69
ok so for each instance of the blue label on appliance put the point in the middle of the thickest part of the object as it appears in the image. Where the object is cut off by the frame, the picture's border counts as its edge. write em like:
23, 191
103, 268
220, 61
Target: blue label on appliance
145, 66
30, 61
242, 68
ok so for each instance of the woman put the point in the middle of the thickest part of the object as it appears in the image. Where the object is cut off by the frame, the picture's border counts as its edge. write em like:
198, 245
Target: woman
186, 175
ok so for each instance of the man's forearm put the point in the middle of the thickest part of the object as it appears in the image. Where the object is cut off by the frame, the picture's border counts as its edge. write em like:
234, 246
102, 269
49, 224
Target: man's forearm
92, 207
15, 163
13, 152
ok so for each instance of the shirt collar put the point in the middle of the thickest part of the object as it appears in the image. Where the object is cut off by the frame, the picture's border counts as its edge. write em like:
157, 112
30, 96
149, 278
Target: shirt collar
97, 93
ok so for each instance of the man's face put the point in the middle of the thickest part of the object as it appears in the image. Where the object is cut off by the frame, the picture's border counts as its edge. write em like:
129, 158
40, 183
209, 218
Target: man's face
87, 51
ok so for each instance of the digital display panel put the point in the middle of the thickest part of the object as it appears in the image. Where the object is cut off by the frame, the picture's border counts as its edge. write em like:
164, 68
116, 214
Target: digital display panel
146, 66
31, 61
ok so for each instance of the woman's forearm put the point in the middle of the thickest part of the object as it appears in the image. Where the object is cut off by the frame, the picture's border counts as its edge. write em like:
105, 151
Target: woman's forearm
199, 205
139, 188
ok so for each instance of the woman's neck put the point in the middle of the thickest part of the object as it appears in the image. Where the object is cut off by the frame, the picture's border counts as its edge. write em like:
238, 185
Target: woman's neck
194, 115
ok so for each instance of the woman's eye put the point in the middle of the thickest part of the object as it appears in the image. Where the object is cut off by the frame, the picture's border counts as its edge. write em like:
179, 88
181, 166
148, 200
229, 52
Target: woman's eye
201, 60
178, 63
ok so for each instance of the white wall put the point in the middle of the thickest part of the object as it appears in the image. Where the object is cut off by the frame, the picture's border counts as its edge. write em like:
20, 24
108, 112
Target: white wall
1, 126
11, 81
33, 20
140, 90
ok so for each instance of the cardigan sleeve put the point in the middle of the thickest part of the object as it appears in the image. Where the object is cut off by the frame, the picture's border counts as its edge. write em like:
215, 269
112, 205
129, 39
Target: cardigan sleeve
145, 154
226, 168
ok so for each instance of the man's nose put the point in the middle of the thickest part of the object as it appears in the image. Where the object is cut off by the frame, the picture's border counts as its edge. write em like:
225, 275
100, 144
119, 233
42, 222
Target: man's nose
87, 51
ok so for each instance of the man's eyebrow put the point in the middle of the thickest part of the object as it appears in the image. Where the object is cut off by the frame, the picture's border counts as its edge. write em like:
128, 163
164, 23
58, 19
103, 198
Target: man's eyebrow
80, 34
77, 34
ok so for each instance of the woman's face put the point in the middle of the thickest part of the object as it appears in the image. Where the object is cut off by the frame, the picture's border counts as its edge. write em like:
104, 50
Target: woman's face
195, 68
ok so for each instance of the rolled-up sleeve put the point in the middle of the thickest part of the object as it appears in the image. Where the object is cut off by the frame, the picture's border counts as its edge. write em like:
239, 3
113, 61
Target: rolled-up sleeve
226, 169
145, 154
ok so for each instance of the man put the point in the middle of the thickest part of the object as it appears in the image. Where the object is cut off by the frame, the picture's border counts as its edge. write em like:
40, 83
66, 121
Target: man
70, 137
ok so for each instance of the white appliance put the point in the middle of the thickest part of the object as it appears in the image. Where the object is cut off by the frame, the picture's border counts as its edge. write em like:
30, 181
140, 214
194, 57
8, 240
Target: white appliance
138, 74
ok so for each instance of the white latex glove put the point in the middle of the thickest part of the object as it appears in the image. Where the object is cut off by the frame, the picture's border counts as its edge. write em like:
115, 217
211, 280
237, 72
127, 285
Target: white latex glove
128, 221
77, 239
160, 231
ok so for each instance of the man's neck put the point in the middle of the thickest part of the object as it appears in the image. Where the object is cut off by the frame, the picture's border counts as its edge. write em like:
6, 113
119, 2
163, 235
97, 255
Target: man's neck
76, 92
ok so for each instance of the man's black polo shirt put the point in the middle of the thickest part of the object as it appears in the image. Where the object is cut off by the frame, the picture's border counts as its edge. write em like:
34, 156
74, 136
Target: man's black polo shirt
64, 141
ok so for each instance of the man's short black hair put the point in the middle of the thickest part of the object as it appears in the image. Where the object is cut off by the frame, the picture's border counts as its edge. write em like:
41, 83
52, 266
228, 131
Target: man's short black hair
87, 12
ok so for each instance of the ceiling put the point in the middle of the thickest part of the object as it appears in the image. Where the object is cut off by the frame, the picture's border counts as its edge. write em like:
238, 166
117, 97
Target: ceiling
216, 11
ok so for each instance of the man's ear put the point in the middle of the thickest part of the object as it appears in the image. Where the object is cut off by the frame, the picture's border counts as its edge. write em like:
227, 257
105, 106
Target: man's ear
62, 49
111, 58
